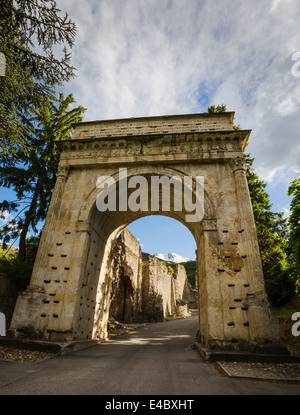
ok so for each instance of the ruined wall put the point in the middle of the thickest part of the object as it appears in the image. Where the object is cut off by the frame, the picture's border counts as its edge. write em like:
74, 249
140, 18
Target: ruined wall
126, 279
143, 289
183, 292
158, 293
180, 280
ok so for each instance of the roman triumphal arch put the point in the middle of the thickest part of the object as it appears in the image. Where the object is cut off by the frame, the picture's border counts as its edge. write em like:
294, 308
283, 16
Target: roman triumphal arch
70, 289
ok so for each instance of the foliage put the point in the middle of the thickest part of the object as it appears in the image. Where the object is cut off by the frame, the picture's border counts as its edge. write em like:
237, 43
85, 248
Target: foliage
180, 302
293, 246
20, 271
29, 32
170, 269
32, 176
287, 311
219, 108
190, 268
272, 232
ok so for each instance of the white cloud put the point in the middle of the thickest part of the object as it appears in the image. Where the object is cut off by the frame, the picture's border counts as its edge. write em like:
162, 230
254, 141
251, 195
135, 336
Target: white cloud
286, 212
6, 217
158, 57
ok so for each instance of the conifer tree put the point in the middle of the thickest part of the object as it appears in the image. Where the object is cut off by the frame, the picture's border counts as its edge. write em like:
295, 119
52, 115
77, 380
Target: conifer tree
32, 175
29, 32
293, 246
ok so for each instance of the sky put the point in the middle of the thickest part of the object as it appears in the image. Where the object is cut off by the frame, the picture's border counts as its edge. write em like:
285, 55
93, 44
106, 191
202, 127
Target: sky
165, 57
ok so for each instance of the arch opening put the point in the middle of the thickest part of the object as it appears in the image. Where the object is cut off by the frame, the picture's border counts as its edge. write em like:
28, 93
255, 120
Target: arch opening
153, 289
105, 229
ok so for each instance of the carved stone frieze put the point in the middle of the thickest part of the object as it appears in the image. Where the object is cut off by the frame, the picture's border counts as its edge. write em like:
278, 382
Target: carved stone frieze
201, 145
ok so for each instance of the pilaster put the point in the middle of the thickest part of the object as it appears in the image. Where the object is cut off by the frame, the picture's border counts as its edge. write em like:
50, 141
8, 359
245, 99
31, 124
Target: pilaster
48, 233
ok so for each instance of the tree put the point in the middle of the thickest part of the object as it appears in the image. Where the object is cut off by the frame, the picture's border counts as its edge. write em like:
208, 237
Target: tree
272, 233
30, 74
293, 245
33, 175
11, 266
219, 108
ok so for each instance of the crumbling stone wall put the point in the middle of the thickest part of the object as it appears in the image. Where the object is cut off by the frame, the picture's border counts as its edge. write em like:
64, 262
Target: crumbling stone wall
183, 293
143, 288
158, 291
126, 279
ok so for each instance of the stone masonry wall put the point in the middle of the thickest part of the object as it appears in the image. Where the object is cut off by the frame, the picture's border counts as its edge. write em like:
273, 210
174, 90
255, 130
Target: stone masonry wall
126, 279
158, 295
143, 288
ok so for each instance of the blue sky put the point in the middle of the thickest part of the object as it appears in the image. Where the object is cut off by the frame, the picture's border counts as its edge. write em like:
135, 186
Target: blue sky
160, 234
161, 57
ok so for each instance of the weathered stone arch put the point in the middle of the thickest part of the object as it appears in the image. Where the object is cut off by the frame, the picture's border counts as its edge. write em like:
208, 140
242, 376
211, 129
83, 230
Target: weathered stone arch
69, 294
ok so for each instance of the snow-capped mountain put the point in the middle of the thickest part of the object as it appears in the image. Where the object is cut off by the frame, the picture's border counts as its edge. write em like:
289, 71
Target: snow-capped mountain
172, 257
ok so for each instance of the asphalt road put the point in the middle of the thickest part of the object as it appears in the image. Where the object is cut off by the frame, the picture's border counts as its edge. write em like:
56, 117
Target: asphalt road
157, 360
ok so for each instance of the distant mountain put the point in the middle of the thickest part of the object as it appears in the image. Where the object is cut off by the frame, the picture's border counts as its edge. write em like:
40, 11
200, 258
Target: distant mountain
172, 257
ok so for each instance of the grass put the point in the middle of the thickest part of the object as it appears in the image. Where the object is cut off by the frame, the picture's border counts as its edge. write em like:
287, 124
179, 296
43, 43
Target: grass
287, 311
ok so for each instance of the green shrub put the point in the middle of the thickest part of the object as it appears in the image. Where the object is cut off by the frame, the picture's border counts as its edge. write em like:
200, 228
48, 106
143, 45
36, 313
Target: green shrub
18, 270
170, 269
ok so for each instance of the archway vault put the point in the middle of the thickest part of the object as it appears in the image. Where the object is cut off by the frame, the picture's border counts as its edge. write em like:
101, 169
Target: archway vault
69, 294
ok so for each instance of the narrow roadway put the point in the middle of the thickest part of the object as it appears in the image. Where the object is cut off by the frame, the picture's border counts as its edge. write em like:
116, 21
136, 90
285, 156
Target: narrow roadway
157, 359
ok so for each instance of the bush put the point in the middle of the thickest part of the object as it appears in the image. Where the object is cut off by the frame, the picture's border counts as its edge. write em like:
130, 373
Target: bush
18, 270
170, 269
279, 288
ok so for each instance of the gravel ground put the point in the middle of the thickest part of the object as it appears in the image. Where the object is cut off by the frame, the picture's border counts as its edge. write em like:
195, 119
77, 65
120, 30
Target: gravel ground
11, 354
275, 371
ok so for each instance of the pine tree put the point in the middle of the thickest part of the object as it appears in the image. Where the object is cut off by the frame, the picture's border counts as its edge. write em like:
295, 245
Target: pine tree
33, 175
29, 30
272, 232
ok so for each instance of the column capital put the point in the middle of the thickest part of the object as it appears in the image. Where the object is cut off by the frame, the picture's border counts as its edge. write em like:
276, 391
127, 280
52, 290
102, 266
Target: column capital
238, 164
63, 170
